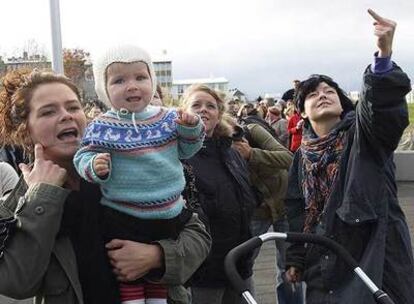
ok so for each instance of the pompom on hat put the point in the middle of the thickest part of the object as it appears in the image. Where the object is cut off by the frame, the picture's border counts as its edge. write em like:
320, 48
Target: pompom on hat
119, 54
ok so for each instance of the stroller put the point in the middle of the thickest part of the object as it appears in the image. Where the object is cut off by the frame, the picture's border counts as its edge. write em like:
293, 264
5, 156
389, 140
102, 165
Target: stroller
239, 285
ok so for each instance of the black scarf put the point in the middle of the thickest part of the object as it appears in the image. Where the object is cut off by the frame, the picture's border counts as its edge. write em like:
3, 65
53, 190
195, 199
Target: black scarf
81, 223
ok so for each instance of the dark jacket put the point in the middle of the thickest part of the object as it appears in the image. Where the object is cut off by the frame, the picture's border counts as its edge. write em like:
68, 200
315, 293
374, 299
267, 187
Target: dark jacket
362, 212
227, 200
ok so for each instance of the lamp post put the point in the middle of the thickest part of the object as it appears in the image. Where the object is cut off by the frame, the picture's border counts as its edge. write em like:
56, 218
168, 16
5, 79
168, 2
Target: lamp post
57, 59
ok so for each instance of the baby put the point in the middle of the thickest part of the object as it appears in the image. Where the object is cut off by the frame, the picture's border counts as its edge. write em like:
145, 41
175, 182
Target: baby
133, 151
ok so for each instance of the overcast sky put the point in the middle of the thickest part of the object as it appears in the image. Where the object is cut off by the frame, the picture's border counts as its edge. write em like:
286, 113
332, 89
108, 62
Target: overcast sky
258, 45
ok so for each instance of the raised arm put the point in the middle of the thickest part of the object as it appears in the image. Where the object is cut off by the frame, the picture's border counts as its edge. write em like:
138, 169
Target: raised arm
382, 112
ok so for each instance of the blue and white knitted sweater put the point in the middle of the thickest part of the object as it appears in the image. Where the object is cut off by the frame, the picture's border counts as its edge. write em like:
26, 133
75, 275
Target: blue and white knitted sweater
146, 176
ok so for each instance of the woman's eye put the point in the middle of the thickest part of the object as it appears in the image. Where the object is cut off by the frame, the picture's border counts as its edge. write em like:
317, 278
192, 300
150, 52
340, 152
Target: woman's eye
118, 81
141, 78
195, 105
74, 108
46, 113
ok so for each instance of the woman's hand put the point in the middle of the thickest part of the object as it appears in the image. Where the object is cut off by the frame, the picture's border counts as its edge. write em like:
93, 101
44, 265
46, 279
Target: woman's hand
132, 260
293, 275
43, 171
384, 29
300, 124
243, 148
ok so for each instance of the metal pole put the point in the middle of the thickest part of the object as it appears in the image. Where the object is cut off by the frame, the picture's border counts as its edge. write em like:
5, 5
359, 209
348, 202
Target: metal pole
57, 60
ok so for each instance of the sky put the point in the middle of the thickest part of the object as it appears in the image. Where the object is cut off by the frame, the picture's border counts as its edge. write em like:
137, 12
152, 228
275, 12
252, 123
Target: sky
260, 46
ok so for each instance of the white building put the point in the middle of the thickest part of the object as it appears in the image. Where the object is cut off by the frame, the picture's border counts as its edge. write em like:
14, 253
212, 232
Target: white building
179, 86
236, 94
163, 70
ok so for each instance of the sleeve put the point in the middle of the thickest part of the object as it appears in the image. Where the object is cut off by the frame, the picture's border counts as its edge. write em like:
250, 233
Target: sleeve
295, 206
9, 178
283, 131
190, 139
184, 255
292, 126
270, 152
382, 113
28, 249
83, 161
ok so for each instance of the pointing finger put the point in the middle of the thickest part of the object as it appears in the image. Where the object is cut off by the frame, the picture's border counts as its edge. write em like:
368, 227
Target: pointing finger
38, 152
375, 15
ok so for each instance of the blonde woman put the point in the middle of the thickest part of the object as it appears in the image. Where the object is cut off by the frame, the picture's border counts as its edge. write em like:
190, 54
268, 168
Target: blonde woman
225, 196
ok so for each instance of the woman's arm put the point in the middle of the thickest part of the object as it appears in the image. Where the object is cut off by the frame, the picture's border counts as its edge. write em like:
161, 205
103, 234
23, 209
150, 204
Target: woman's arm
382, 112
37, 203
179, 258
270, 153
27, 250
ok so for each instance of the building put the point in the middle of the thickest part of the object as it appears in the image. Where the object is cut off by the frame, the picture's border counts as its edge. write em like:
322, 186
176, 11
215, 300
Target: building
27, 62
163, 71
236, 94
179, 86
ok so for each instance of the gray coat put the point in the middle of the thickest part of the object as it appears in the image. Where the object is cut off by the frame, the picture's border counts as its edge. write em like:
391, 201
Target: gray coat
37, 264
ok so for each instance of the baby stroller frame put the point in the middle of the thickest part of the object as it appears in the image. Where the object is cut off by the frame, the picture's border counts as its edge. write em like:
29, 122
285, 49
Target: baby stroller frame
292, 237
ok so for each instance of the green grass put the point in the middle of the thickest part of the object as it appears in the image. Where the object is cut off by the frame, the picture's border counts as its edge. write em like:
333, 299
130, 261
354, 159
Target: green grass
411, 112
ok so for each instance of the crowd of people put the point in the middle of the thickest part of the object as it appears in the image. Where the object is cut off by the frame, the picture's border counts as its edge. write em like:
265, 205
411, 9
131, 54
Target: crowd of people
125, 200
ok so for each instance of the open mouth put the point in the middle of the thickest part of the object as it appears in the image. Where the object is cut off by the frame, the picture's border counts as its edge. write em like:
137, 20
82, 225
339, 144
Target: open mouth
203, 118
67, 134
133, 99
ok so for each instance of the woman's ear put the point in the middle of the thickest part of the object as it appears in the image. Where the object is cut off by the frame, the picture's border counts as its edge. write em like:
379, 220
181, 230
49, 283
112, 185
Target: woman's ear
303, 114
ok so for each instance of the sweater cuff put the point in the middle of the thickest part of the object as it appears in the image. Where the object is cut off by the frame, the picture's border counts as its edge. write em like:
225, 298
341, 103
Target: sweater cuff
188, 132
381, 65
93, 177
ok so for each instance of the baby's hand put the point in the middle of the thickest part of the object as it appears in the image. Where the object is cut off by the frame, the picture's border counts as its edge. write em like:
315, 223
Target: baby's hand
186, 119
101, 164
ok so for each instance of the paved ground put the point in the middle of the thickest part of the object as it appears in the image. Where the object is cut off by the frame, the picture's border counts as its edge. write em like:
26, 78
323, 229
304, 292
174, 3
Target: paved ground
264, 272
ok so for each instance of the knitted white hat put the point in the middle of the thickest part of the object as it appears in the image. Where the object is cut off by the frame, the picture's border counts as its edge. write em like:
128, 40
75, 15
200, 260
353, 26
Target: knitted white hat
122, 54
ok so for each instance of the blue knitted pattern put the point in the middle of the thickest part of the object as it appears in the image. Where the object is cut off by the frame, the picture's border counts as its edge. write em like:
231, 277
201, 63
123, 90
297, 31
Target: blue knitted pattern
146, 177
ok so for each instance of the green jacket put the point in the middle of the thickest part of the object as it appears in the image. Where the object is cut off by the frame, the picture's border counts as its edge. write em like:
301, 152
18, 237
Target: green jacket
269, 165
37, 264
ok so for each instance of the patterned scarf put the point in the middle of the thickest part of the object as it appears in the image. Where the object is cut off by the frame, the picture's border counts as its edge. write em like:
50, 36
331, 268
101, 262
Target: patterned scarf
321, 162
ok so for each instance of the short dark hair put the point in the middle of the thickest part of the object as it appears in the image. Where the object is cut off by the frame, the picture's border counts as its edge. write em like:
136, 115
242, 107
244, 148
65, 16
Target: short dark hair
309, 85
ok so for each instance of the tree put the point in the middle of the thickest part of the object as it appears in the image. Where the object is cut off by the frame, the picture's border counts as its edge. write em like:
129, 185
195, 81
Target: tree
74, 61
74, 65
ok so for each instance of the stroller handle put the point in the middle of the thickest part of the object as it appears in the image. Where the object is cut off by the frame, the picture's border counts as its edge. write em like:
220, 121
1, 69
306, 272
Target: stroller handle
293, 237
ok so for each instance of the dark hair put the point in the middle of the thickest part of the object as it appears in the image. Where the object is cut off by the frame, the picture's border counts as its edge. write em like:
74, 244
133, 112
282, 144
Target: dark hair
309, 85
